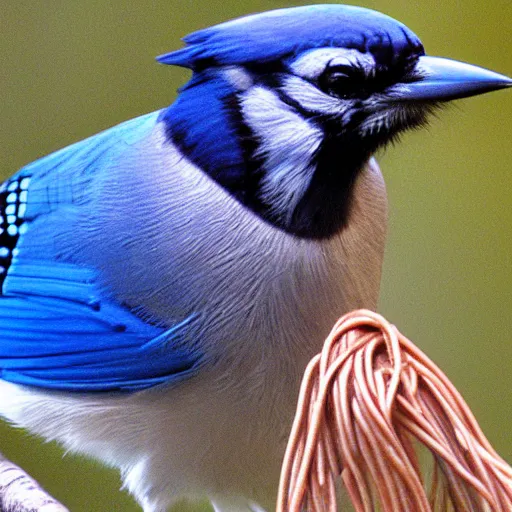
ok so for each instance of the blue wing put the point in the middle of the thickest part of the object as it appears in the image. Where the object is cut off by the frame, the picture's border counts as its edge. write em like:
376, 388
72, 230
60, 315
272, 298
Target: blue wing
59, 329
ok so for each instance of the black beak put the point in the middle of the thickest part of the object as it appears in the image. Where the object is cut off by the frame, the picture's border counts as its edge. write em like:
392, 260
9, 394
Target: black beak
446, 79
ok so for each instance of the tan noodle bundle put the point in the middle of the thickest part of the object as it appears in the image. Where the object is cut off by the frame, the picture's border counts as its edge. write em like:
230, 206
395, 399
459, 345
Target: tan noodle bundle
364, 401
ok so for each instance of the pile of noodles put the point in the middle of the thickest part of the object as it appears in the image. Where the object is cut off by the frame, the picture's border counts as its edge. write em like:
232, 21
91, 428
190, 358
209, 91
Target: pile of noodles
366, 402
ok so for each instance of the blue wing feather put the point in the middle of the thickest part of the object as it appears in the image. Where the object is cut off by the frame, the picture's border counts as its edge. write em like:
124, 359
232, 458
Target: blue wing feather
58, 328
92, 345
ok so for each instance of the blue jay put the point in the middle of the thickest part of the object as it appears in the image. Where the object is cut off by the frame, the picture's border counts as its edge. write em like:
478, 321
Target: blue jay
164, 283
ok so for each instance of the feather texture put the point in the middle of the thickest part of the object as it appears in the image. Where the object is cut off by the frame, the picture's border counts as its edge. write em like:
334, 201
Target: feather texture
60, 329
291, 31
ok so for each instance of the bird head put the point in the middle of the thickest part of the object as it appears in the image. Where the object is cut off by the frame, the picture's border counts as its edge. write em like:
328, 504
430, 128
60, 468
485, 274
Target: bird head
286, 107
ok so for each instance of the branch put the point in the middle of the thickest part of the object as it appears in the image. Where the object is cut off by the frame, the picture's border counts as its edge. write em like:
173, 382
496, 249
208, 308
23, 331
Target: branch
21, 493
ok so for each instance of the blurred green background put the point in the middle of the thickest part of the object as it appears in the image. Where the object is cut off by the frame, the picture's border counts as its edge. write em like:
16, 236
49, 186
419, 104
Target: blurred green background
69, 69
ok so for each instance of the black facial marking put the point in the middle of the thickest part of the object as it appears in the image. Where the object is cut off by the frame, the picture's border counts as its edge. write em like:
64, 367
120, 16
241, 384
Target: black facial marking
325, 207
353, 82
13, 205
344, 81
249, 185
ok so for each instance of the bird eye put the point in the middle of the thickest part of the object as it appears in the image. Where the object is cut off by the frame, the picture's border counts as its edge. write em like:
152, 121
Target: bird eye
338, 81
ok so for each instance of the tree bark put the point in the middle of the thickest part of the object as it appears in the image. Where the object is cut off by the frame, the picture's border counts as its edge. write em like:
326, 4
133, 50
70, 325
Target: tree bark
21, 493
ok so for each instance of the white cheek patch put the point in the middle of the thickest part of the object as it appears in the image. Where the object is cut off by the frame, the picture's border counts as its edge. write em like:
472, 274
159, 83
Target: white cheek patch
312, 63
238, 77
311, 99
288, 143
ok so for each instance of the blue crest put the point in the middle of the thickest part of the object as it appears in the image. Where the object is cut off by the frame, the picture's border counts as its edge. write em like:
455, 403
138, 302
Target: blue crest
283, 33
